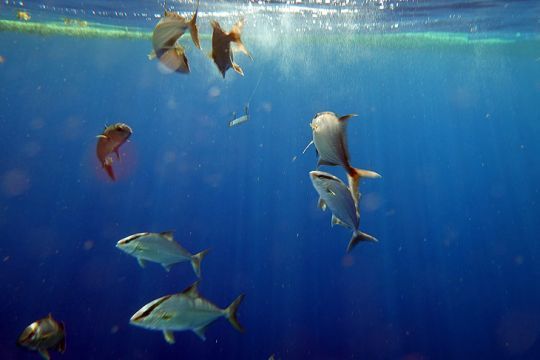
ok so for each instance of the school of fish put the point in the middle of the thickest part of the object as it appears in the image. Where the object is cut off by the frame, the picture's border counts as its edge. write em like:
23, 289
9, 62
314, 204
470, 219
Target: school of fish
188, 310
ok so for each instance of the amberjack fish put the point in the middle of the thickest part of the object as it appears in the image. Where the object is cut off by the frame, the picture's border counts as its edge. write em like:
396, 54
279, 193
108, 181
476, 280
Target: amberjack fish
221, 47
109, 142
330, 139
165, 36
42, 335
187, 310
337, 196
160, 248
23, 15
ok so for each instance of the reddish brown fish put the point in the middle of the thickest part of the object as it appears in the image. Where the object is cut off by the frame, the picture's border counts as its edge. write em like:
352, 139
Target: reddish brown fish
221, 47
109, 142
43, 335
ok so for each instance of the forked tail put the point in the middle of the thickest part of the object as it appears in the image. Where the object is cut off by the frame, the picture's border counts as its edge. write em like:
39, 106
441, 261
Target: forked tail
193, 29
196, 261
230, 313
107, 165
357, 237
354, 175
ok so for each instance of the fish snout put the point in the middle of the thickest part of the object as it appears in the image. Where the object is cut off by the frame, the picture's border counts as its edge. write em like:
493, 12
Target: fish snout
27, 335
137, 318
314, 174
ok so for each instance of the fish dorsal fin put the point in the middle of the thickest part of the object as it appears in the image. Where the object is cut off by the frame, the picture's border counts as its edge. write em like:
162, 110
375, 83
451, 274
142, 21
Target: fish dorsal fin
346, 117
200, 332
192, 290
50, 316
167, 235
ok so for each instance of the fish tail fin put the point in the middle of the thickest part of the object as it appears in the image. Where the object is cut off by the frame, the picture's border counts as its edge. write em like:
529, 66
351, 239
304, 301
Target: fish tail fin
109, 169
193, 29
354, 175
196, 261
357, 237
235, 36
230, 313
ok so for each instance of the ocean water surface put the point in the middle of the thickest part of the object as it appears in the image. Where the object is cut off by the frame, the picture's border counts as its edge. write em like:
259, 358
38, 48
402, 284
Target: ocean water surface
447, 95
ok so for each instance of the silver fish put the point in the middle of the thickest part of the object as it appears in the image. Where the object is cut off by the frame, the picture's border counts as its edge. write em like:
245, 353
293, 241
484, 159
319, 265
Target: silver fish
184, 311
160, 248
335, 194
330, 139
165, 36
43, 335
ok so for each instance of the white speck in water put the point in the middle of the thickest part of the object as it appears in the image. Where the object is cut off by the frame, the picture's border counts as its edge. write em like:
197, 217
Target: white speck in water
214, 92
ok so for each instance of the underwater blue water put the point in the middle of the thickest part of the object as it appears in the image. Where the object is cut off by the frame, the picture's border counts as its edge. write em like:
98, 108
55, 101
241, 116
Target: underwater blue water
454, 130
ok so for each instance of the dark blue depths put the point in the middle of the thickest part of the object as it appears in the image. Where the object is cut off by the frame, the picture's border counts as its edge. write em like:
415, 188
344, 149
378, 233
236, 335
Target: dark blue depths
454, 131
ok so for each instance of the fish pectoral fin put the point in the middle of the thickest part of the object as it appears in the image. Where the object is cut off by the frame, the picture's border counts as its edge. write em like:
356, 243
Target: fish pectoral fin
152, 55
117, 154
237, 68
346, 117
44, 354
141, 262
102, 137
200, 332
307, 147
169, 336
322, 204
